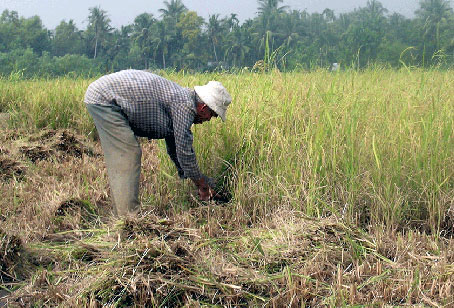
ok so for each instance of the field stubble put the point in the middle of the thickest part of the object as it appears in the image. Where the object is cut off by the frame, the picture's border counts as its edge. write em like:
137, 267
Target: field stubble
342, 195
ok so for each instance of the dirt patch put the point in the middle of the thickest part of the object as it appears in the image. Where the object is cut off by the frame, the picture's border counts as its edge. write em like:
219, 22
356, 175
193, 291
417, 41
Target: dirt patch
58, 144
10, 169
68, 145
35, 153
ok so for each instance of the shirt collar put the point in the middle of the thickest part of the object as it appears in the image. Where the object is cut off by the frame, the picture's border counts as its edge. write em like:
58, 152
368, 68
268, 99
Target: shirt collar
194, 97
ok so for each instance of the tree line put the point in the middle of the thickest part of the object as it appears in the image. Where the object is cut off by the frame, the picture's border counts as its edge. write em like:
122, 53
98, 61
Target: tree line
278, 36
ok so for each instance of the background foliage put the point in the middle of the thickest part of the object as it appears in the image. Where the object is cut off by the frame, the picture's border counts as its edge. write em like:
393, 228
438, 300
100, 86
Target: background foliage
278, 36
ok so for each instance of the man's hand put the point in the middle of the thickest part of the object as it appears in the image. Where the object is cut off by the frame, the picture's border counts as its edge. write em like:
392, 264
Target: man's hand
205, 191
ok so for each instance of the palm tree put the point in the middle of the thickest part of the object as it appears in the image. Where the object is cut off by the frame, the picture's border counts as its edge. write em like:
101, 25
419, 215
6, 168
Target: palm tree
143, 41
267, 24
290, 29
165, 36
329, 15
143, 21
214, 31
231, 22
173, 9
376, 7
119, 47
365, 33
434, 13
99, 25
268, 6
170, 37
143, 36
67, 39
269, 10
238, 46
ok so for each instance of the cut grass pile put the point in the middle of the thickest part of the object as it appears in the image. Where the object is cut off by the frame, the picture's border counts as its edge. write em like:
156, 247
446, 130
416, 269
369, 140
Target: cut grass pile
291, 261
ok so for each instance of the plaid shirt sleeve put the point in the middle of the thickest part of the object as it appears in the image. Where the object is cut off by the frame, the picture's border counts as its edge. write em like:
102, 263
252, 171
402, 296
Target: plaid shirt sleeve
172, 151
183, 118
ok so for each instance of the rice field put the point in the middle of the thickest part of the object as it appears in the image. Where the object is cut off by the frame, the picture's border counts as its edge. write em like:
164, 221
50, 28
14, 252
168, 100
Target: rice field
341, 184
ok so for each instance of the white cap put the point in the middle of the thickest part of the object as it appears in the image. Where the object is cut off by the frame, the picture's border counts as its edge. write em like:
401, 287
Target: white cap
215, 96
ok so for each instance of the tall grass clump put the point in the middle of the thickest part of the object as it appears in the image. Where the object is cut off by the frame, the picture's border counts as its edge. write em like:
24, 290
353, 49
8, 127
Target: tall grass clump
373, 147
39, 103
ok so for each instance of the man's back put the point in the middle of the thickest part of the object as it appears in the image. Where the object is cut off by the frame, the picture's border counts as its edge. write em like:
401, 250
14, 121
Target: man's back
148, 100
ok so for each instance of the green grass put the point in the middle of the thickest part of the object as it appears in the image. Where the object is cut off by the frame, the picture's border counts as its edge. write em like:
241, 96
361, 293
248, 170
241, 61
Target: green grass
373, 147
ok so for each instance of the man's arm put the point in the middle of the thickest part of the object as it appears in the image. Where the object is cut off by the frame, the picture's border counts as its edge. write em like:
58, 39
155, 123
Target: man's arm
171, 150
183, 117
203, 183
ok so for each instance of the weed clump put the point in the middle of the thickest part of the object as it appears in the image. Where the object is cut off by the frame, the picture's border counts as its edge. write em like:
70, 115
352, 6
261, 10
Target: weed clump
222, 189
68, 207
10, 257
447, 226
75, 214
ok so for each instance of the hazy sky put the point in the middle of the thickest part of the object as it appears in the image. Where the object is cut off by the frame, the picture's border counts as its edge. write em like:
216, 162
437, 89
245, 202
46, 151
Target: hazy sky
124, 12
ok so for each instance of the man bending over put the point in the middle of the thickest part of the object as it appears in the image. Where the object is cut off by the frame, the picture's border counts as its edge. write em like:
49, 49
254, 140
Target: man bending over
133, 103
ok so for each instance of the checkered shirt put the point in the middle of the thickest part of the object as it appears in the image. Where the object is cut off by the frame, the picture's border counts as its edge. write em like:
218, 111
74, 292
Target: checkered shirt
156, 108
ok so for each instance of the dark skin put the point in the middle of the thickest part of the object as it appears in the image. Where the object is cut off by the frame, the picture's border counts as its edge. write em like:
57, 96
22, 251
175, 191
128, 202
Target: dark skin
204, 114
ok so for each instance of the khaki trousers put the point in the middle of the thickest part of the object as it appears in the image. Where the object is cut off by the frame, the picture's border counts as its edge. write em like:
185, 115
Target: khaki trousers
122, 155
